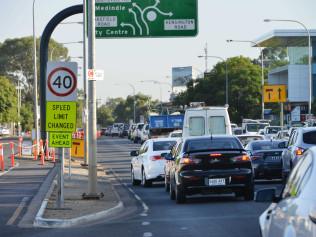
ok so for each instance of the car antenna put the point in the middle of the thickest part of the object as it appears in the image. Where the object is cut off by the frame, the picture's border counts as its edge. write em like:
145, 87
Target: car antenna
211, 136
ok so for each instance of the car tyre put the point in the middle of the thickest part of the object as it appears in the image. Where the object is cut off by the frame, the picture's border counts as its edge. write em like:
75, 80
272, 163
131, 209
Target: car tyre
249, 193
145, 182
134, 181
180, 194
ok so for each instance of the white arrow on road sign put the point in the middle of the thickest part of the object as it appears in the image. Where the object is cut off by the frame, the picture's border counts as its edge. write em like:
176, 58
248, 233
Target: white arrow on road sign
61, 81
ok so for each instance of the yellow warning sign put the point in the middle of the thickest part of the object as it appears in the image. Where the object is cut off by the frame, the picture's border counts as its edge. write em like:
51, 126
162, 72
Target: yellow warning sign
60, 139
61, 116
77, 149
274, 93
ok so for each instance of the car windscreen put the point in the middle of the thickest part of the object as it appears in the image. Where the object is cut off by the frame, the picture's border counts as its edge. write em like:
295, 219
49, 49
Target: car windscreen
273, 130
163, 145
212, 144
253, 127
309, 137
268, 145
140, 126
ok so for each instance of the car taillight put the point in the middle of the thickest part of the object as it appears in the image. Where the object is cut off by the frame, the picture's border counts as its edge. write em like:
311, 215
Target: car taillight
299, 151
154, 158
243, 158
187, 160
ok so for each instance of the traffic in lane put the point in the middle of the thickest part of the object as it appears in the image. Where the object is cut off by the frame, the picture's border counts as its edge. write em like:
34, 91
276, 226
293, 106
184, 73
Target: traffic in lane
200, 214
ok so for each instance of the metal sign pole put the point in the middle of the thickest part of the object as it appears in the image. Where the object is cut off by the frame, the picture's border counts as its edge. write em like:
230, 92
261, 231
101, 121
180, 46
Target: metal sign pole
69, 163
60, 183
92, 104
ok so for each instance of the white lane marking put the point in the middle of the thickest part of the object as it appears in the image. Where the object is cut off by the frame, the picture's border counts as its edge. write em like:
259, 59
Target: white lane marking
145, 223
18, 211
147, 234
144, 205
137, 197
3, 173
184, 228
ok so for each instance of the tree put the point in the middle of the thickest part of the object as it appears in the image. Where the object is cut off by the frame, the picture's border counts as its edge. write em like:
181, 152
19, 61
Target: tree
8, 101
104, 116
244, 93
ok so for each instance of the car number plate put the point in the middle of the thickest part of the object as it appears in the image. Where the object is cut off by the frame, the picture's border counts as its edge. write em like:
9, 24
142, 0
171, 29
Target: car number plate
216, 182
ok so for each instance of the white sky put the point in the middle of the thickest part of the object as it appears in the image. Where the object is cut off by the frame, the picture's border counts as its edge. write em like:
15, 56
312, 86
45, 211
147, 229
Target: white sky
132, 60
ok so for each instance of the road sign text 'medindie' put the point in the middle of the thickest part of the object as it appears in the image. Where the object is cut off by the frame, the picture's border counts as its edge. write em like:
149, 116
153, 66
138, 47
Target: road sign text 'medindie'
146, 18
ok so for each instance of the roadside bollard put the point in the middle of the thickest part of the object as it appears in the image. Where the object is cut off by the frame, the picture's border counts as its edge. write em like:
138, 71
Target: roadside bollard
42, 152
1, 158
12, 154
35, 149
47, 151
20, 146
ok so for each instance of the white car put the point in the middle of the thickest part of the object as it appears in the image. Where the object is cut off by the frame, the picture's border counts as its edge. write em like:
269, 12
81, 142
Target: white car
147, 164
4, 132
294, 212
144, 135
176, 133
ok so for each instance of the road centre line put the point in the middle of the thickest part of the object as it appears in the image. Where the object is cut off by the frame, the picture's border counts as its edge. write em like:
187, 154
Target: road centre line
18, 211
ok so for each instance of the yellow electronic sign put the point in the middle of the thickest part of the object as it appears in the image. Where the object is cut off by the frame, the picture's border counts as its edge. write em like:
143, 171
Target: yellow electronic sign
274, 93
60, 139
61, 116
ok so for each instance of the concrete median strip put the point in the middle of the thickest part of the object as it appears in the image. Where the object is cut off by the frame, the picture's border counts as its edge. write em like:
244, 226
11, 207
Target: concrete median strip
77, 211
63, 223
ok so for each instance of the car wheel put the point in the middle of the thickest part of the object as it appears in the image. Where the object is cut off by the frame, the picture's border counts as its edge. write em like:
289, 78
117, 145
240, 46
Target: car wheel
167, 185
134, 181
249, 193
172, 193
180, 194
145, 182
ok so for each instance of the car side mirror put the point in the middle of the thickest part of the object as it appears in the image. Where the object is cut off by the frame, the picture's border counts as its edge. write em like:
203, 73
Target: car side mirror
167, 156
134, 153
312, 214
266, 195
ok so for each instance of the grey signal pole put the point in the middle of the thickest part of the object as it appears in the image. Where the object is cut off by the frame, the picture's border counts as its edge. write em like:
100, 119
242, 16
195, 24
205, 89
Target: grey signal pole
92, 105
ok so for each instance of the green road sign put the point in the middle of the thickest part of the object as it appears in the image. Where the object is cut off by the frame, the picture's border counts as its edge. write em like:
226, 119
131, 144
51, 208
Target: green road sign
60, 139
146, 18
61, 116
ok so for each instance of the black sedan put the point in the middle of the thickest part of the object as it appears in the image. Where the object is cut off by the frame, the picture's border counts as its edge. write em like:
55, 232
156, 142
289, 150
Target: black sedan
266, 158
209, 165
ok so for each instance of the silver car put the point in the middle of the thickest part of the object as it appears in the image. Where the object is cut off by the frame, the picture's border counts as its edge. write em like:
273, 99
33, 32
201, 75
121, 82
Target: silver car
293, 213
300, 140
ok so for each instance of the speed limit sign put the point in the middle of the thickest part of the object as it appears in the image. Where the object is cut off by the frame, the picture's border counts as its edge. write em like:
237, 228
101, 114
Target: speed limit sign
61, 81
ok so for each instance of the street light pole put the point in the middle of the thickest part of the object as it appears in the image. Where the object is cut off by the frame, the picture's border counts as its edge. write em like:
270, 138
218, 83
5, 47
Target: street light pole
262, 70
226, 73
52, 52
35, 78
309, 58
134, 95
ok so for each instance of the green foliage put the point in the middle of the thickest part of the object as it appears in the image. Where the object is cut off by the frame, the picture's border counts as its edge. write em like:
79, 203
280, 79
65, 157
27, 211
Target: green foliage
244, 93
8, 101
122, 110
16, 63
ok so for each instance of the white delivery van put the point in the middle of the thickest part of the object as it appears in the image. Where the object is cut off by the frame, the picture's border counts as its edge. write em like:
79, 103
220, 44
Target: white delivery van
202, 121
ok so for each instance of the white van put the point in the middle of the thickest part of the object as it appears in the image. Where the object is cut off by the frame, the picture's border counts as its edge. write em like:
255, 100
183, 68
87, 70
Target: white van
206, 121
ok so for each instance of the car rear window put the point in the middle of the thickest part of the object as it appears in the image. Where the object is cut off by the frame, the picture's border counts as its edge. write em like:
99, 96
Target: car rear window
217, 125
212, 144
140, 126
268, 145
163, 145
309, 137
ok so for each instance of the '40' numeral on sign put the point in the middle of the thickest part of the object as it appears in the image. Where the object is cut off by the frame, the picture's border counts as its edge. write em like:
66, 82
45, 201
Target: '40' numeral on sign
65, 82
